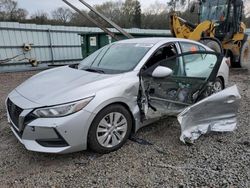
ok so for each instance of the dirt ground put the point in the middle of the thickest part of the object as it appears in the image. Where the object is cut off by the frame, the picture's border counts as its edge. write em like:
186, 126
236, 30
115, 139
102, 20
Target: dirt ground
159, 160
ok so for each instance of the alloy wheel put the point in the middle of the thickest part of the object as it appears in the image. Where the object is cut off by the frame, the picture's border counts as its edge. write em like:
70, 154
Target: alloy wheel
217, 86
112, 129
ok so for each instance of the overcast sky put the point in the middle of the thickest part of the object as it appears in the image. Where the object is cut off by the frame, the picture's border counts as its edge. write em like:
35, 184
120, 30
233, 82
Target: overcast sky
48, 5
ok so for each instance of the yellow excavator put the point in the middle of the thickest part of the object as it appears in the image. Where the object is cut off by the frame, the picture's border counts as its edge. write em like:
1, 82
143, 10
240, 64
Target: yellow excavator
220, 27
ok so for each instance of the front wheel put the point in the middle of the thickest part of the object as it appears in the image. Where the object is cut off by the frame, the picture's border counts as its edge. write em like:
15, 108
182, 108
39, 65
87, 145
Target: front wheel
110, 129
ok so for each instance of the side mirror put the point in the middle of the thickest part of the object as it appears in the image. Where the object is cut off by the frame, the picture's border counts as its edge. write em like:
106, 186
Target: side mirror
161, 72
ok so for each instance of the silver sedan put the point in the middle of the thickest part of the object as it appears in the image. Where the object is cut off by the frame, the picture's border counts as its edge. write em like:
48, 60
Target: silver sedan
113, 93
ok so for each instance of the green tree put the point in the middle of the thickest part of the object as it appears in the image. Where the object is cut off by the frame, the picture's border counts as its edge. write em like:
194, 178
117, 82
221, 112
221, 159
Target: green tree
132, 13
137, 16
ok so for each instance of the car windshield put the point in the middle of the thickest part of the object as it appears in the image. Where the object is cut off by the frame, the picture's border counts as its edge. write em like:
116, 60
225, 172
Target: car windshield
115, 58
214, 10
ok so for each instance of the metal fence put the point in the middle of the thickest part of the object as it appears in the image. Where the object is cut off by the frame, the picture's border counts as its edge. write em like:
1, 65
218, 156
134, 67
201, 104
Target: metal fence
51, 45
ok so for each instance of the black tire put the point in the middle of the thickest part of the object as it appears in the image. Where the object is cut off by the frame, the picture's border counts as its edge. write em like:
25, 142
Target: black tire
234, 63
93, 142
220, 83
245, 56
213, 45
211, 90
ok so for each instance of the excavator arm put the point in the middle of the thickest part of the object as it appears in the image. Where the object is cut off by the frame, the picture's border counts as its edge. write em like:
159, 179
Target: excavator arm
181, 28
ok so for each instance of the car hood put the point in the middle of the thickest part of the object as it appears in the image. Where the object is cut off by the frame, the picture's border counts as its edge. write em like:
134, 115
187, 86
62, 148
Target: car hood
64, 84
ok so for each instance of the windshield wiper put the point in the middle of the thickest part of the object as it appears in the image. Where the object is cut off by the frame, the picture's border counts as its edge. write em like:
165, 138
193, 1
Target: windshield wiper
94, 70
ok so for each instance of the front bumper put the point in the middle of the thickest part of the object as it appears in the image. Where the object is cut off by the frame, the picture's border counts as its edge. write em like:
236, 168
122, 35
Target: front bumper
51, 135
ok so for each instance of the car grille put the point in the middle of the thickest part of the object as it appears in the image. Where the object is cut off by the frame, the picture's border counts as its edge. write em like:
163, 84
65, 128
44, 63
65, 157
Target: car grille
14, 112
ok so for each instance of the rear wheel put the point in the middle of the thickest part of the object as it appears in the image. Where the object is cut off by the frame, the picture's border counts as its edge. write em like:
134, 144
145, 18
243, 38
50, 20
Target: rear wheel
245, 56
110, 129
214, 45
218, 85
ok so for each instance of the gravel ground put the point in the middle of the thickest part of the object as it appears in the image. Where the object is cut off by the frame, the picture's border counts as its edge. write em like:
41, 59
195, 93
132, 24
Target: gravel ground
159, 160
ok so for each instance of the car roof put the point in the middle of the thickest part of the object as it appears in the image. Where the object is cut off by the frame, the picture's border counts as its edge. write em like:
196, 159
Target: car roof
156, 40
153, 40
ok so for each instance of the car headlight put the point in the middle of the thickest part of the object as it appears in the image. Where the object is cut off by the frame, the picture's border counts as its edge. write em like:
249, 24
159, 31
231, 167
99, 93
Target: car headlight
62, 110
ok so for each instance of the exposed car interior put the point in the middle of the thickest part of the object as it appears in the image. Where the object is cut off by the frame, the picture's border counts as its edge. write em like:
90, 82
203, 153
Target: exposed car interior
182, 87
165, 56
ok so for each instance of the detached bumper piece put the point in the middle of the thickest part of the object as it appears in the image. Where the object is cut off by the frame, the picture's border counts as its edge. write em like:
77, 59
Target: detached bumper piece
217, 113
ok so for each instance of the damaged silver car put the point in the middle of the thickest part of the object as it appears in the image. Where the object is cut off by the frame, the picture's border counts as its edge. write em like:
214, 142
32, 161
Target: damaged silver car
116, 91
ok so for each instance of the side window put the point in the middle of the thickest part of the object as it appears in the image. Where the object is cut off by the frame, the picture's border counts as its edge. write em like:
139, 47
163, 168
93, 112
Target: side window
201, 48
191, 47
165, 56
197, 65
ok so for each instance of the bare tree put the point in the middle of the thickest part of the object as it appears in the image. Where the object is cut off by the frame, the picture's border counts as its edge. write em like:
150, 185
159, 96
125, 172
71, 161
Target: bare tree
9, 11
178, 5
157, 8
126, 13
20, 14
79, 20
63, 15
40, 17
156, 16
112, 10
10, 8
247, 8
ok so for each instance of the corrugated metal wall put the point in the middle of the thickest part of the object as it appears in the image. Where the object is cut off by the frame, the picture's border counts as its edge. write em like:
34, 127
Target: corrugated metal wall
50, 44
